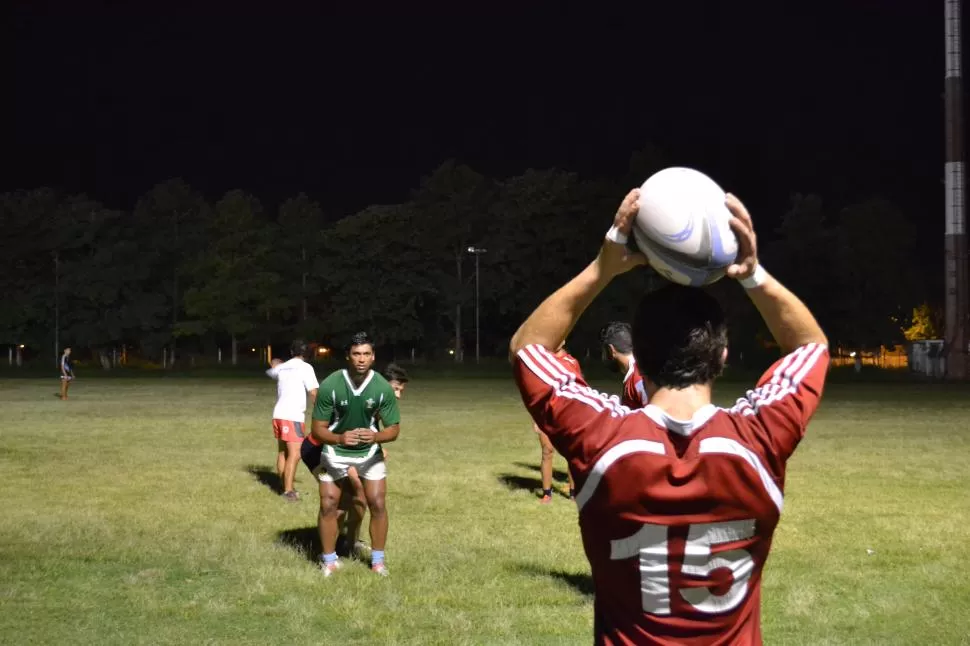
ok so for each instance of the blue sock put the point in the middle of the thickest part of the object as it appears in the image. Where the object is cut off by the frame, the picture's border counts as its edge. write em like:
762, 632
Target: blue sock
376, 557
330, 558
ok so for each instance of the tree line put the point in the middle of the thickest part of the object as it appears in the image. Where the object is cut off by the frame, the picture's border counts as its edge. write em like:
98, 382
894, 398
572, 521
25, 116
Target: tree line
178, 273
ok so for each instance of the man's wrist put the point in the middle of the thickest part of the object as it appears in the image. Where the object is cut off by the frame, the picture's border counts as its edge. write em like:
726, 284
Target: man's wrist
617, 236
757, 278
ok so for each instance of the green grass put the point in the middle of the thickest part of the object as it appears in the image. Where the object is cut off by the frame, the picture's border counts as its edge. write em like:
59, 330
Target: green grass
135, 513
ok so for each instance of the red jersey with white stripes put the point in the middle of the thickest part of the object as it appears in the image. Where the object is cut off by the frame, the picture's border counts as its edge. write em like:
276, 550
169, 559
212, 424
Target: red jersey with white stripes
677, 516
570, 363
634, 392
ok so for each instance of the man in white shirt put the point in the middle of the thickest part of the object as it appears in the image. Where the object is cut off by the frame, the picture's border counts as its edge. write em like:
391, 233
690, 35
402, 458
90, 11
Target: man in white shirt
296, 384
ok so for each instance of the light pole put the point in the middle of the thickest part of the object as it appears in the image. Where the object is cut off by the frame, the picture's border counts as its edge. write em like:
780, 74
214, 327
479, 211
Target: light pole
476, 251
57, 310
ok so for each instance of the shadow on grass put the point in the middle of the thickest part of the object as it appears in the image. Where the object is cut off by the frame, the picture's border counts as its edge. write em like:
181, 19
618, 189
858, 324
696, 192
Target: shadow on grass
267, 477
580, 582
513, 481
557, 475
305, 540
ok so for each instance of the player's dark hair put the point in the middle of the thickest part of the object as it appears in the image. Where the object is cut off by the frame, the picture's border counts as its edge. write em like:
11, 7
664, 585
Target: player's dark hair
679, 337
360, 338
394, 372
619, 335
298, 348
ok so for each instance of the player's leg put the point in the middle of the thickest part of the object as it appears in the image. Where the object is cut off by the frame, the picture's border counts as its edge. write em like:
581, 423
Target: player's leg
356, 508
327, 525
292, 459
374, 474
280, 460
289, 470
572, 485
545, 466
331, 473
65, 382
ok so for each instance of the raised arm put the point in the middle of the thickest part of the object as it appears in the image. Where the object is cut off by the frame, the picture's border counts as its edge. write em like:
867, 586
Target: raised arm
551, 322
791, 323
788, 394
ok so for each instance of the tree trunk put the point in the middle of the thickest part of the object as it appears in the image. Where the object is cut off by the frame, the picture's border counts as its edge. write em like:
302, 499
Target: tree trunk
303, 254
234, 350
458, 348
175, 286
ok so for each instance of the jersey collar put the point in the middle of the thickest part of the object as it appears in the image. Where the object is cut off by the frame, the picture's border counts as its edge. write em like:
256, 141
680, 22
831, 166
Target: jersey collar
350, 382
630, 369
685, 427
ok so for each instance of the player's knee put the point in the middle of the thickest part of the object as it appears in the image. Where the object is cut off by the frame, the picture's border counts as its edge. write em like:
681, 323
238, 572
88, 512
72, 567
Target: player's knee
377, 506
329, 503
547, 452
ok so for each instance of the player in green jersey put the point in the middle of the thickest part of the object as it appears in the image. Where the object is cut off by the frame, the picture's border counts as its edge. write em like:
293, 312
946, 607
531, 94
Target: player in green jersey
345, 434
353, 503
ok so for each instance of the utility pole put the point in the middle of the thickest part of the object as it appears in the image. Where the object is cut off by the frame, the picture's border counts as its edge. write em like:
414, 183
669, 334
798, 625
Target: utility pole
955, 235
57, 310
477, 251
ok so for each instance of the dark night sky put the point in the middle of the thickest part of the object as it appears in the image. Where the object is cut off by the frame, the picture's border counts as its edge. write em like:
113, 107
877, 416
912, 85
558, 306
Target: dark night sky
840, 98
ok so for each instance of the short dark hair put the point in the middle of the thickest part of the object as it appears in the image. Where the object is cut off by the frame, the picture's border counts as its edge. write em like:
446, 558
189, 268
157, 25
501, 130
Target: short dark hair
619, 335
360, 338
394, 372
679, 337
298, 348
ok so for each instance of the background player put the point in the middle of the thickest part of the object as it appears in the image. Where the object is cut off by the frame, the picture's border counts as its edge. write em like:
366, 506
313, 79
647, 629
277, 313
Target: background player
548, 452
617, 340
678, 502
67, 372
397, 377
295, 384
344, 434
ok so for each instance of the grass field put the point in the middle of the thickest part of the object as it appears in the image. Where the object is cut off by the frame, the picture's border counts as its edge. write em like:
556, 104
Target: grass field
139, 512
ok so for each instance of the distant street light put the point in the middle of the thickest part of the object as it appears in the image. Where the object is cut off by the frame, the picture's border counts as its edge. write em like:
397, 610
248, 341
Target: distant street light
477, 251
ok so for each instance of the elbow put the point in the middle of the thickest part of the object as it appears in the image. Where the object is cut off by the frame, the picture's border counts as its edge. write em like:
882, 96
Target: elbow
514, 346
517, 344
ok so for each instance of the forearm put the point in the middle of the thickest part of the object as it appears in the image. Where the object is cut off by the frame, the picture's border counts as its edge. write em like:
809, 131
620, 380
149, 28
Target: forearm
387, 435
552, 321
789, 320
321, 434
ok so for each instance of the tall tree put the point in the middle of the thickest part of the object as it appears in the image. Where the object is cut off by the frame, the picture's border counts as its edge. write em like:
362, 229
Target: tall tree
233, 290
376, 277
300, 221
874, 261
171, 220
105, 279
451, 209
32, 232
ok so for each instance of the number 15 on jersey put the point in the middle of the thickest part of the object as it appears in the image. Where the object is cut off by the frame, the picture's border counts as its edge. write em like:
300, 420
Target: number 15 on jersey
650, 544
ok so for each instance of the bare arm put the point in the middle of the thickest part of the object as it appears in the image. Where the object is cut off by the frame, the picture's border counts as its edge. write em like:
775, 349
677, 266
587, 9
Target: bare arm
790, 321
387, 434
551, 322
787, 317
320, 431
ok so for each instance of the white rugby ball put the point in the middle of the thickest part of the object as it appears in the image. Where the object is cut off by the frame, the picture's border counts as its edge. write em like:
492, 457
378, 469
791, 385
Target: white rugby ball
683, 227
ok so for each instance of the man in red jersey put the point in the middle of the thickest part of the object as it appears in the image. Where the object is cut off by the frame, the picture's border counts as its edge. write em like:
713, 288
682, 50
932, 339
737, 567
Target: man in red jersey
678, 501
548, 452
617, 340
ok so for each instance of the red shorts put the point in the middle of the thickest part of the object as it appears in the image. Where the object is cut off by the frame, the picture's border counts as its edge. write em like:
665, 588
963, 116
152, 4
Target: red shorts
284, 429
